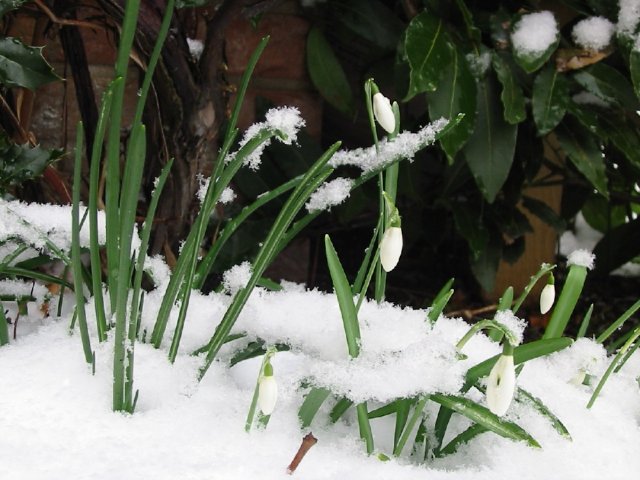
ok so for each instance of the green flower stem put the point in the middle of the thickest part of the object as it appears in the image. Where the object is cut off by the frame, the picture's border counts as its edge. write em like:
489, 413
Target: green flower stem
367, 280
254, 400
365, 427
270, 245
619, 322
487, 324
567, 301
366, 262
75, 249
544, 269
613, 365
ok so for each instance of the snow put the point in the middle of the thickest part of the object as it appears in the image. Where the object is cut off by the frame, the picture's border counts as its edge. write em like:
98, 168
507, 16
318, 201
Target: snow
330, 194
227, 196
582, 258
196, 47
534, 33
479, 63
405, 145
514, 324
628, 17
237, 277
593, 33
286, 121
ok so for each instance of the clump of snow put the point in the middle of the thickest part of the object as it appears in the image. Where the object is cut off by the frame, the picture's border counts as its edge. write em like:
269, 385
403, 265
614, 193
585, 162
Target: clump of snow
534, 33
515, 325
628, 17
330, 194
285, 121
405, 145
203, 183
227, 196
593, 33
196, 47
157, 269
237, 277
479, 64
582, 258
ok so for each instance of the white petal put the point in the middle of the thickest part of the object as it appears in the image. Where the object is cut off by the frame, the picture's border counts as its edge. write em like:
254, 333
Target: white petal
547, 297
383, 112
501, 385
391, 248
267, 394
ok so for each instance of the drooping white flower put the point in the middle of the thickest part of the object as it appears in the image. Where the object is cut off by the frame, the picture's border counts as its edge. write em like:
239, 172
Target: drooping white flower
267, 391
547, 297
501, 385
383, 112
391, 248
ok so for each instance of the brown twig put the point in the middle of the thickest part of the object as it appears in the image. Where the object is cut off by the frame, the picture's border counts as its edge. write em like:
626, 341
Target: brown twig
307, 442
63, 21
468, 314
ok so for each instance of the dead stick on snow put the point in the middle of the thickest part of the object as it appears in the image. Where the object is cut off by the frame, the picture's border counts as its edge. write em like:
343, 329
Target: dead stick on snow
307, 442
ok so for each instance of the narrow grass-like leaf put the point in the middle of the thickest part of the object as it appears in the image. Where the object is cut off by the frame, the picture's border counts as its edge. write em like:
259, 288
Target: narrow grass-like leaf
614, 364
441, 300
585, 323
483, 416
566, 302
339, 409
75, 249
312, 403
364, 266
524, 396
619, 322
464, 437
4, 327
403, 407
365, 427
415, 416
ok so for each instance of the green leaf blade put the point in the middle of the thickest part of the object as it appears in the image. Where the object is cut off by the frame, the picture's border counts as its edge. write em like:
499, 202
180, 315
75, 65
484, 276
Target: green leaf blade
511, 96
550, 99
23, 66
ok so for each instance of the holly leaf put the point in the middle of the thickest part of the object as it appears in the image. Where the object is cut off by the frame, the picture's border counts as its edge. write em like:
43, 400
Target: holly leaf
23, 66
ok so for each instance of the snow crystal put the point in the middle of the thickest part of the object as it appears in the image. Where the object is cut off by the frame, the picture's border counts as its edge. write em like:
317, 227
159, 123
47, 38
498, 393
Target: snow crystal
203, 183
227, 196
628, 17
196, 48
19, 288
405, 145
534, 33
157, 269
593, 33
237, 277
479, 64
514, 324
284, 120
329, 194
582, 258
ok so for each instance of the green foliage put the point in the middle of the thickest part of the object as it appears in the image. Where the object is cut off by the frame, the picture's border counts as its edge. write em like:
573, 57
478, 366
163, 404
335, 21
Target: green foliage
23, 66
460, 55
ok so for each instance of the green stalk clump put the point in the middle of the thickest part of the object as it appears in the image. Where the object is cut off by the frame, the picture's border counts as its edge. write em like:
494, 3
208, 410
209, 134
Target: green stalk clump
4, 327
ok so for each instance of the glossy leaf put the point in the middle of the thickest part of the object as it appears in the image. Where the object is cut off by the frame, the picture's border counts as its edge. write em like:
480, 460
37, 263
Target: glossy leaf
19, 163
550, 98
617, 247
545, 213
524, 396
608, 84
464, 437
327, 74
455, 93
601, 215
584, 153
489, 151
634, 69
23, 66
511, 96
483, 416
8, 5
428, 51
372, 20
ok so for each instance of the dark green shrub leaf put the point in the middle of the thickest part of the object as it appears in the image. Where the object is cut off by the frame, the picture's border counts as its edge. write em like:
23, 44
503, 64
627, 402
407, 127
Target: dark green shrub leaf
608, 85
8, 5
584, 152
483, 416
550, 98
469, 224
511, 96
545, 213
19, 163
23, 66
456, 93
428, 51
617, 247
489, 151
634, 68
485, 265
601, 215
191, 3
372, 20
532, 61
327, 74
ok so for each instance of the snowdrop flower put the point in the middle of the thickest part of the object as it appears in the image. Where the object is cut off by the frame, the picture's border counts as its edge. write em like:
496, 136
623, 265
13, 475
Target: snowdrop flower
267, 391
547, 296
383, 112
391, 248
501, 385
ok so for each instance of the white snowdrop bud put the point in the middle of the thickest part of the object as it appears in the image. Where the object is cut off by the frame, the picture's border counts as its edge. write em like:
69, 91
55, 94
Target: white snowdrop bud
383, 112
267, 391
501, 385
391, 248
547, 296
